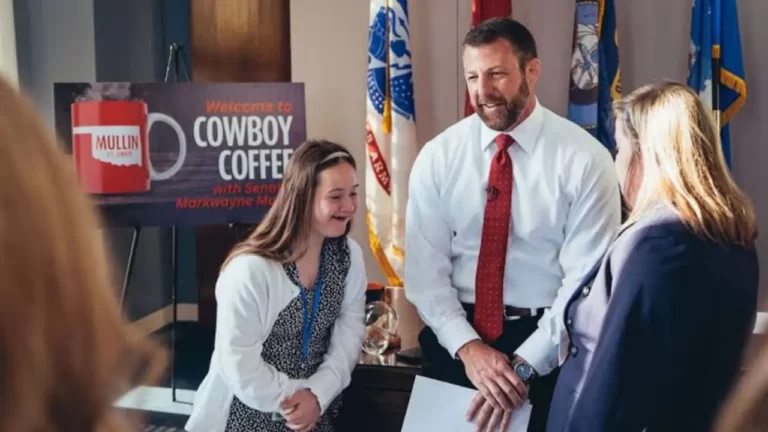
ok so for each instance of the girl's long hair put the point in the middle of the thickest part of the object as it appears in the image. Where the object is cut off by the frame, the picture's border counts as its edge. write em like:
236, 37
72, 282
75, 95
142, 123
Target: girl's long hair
283, 234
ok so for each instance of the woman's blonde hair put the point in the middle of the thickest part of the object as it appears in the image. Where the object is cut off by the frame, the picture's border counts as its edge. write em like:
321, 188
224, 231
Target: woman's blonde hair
66, 354
683, 166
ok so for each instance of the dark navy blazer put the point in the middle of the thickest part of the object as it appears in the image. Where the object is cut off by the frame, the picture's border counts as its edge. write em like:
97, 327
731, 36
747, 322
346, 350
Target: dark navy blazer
657, 332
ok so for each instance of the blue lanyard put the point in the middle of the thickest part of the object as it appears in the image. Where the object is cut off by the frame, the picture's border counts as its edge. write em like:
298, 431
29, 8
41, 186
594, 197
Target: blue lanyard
309, 316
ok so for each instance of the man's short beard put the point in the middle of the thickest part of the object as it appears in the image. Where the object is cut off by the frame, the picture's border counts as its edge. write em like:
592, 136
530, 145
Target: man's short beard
513, 108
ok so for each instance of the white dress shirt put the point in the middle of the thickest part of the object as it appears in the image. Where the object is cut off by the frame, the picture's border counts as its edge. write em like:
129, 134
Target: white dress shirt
566, 209
251, 292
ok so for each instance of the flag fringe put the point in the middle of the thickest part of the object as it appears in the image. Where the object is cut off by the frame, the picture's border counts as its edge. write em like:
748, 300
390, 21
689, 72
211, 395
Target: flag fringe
378, 252
737, 84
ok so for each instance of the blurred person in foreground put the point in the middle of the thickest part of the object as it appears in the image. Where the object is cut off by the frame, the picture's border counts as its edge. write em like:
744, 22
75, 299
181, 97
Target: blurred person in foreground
66, 355
746, 409
657, 332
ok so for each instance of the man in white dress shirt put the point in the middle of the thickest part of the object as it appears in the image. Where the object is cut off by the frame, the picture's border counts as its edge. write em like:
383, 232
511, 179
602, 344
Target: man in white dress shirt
508, 210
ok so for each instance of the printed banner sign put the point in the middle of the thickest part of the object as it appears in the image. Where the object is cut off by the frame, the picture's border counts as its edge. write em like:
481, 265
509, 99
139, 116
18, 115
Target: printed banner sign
180, 153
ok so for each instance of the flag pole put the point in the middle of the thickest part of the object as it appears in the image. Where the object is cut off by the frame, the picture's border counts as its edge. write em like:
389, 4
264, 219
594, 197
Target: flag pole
716, 54
716, 84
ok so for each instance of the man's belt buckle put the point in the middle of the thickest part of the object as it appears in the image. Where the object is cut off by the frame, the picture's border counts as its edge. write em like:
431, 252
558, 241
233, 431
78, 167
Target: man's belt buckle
531, 312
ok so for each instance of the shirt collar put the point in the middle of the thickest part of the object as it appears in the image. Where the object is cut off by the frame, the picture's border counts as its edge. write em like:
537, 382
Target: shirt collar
525, 134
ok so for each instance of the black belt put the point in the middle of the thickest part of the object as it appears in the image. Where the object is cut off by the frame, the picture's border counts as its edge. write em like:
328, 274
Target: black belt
510, 312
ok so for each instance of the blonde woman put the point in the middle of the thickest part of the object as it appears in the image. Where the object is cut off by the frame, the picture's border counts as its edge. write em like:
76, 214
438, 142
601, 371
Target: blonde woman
66, 354
655, 335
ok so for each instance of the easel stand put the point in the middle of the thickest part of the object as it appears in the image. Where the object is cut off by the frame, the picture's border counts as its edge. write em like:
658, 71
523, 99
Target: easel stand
129, 266
175, 60
174, 290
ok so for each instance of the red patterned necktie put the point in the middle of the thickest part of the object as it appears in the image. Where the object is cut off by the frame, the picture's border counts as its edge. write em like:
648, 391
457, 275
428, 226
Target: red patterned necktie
489, 280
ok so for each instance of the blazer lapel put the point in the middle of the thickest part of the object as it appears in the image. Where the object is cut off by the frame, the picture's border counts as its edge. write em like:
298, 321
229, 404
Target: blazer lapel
584, 282
590, 277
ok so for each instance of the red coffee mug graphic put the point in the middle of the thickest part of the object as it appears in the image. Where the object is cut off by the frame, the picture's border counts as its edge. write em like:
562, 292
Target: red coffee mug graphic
110, 146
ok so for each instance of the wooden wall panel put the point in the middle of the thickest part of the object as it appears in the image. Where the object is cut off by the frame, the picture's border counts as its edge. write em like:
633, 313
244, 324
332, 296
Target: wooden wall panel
241, 40
234, 41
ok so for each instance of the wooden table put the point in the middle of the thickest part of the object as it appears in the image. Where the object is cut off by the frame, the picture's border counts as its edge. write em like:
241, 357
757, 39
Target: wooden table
378, 395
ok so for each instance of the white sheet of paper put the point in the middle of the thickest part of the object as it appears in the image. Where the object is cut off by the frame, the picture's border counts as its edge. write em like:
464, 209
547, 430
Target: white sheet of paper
439, 406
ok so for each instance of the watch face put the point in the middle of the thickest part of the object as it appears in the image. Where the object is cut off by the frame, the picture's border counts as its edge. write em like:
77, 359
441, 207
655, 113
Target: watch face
524, 371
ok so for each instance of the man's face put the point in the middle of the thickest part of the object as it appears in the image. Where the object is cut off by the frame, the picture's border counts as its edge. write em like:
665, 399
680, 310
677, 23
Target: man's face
498, 88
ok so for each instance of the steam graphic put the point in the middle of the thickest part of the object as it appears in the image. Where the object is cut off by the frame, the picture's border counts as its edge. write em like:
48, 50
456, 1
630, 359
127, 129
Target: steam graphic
106, 91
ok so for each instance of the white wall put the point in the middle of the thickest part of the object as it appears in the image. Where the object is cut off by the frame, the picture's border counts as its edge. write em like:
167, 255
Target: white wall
329, 46
328, 53
8, 65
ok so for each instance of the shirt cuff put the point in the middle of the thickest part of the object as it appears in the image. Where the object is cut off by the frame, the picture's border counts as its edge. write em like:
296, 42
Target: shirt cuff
540, 352
322, 392
455, 333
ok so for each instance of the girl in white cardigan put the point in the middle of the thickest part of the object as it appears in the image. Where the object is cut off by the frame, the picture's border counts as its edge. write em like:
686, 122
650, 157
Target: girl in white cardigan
291, 301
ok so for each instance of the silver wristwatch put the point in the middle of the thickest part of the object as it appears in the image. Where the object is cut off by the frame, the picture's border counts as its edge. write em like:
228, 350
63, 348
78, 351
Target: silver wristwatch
525, 371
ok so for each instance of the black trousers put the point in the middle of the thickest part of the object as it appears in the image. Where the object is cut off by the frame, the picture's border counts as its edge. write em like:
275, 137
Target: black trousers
438, 364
